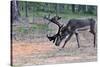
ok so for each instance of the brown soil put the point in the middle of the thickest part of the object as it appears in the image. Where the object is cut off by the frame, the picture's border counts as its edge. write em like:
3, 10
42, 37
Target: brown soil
26, 53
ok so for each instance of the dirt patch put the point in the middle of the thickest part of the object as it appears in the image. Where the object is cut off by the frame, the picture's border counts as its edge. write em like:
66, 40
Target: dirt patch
29, 48
25, 53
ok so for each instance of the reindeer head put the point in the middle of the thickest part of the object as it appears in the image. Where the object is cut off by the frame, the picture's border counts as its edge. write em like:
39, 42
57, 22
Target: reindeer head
61, 37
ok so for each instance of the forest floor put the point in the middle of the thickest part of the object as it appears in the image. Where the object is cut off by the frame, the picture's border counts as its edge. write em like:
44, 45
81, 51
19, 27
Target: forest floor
36, 53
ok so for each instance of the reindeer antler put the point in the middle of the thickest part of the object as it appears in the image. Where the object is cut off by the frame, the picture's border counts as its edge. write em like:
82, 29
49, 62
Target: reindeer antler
55, 21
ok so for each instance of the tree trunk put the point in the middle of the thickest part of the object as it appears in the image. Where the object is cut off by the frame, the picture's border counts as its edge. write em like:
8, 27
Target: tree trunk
14, 10
73, 8
26, 11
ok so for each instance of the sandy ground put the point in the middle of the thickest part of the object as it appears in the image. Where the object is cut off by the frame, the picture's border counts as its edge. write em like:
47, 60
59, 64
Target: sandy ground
35, 53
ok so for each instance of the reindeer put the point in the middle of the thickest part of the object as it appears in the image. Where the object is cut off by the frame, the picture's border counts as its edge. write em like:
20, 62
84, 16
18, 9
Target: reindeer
72, 27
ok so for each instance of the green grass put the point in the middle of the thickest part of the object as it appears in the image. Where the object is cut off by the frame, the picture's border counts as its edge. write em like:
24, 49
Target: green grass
40, 27
34, 27
67, 15
22, 30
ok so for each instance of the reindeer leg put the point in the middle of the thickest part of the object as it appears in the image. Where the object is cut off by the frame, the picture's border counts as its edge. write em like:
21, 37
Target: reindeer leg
67, 40
92, 30
77, 38
94, 40
94, 37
